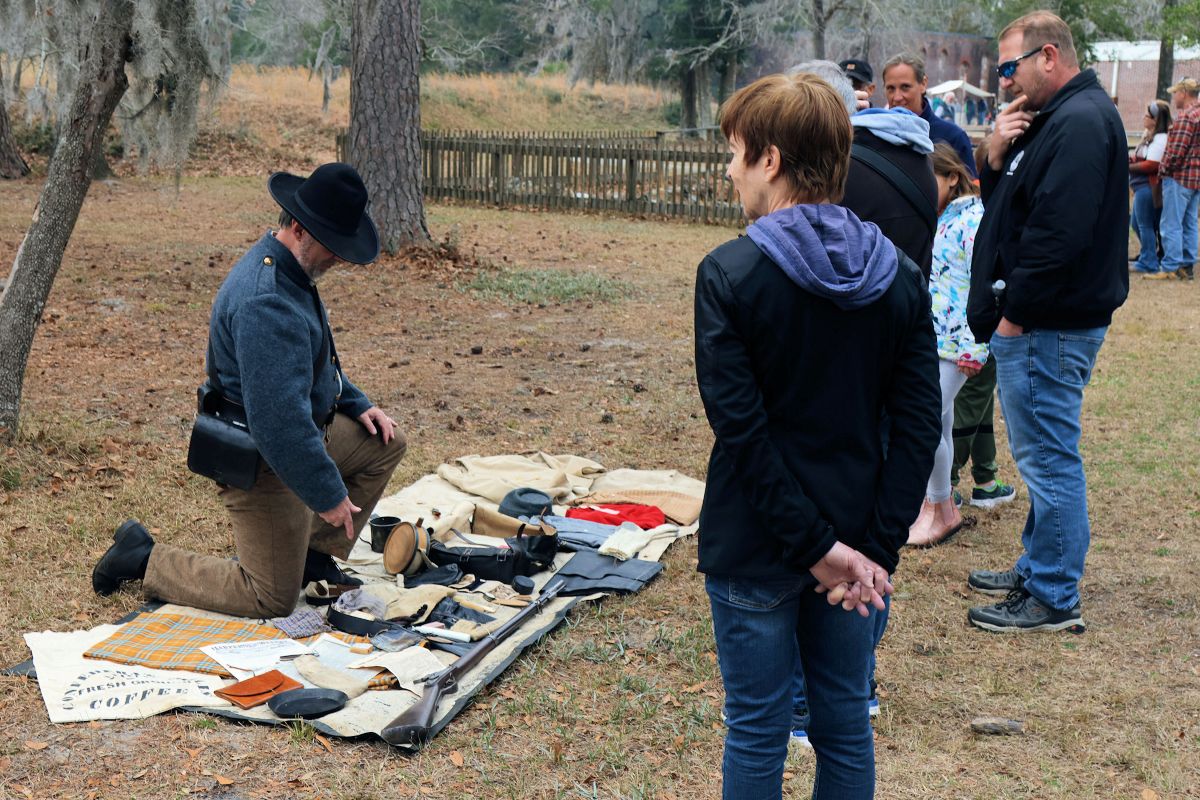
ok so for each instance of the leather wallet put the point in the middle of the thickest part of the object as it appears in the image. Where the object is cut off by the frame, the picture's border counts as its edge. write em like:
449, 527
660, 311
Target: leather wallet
257, 690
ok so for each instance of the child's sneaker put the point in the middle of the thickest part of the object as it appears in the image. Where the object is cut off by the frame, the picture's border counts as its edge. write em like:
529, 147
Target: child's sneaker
998, 495
799, 736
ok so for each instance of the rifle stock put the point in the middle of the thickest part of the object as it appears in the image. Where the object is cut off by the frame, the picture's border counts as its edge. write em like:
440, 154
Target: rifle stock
415, 723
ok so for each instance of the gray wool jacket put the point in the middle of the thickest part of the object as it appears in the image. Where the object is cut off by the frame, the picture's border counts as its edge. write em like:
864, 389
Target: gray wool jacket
266, 335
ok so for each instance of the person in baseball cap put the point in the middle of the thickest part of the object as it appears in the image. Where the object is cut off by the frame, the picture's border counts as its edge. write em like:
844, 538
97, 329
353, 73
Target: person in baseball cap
860, 74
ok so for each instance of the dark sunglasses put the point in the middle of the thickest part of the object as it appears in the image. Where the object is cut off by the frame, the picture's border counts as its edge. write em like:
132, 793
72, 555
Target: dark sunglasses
1006, 69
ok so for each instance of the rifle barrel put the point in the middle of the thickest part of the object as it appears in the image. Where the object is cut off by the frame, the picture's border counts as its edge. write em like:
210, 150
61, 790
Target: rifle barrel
415, 723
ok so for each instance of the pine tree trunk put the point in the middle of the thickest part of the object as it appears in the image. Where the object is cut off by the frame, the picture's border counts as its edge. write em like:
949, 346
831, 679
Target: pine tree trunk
704, 95
1166, 57
818, 33
687, 101
11, 163
728, 77
101, 85
384, 141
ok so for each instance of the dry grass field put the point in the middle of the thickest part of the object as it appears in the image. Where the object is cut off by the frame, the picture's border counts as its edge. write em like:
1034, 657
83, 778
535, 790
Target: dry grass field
272, 115
624, 700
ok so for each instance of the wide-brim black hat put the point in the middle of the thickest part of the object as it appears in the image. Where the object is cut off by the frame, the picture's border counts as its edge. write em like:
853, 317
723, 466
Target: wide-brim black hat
331, 204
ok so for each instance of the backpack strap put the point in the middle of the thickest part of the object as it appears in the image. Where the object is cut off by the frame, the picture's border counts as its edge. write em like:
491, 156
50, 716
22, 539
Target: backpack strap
900, 181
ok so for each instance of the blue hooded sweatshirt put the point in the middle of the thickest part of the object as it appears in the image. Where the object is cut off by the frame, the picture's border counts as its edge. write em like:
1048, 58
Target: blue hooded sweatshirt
896, 126
828, 251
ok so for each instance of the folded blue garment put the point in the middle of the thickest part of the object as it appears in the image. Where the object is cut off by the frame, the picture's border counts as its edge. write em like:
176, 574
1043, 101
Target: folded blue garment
578, 531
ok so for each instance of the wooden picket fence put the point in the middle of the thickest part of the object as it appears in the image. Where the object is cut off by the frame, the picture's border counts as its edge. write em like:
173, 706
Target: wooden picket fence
632, 172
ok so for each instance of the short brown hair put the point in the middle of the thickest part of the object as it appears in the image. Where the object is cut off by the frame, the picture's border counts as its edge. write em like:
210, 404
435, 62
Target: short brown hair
806, 119
946, 163
908, 59
1038, 28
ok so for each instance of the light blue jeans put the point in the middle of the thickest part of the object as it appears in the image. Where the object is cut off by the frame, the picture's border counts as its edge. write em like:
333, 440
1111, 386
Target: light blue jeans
1178, 226
762, 627
1040, 376
1144, 221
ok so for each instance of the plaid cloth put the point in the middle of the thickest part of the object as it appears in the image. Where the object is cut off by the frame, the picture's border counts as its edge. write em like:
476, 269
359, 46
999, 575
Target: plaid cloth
302, 622
1181, 161
173, 641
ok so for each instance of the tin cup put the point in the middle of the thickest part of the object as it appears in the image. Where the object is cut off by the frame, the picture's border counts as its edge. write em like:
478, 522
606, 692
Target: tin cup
381, 529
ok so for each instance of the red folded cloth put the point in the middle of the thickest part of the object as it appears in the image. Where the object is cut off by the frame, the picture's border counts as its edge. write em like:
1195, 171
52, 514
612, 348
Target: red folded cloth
645, 517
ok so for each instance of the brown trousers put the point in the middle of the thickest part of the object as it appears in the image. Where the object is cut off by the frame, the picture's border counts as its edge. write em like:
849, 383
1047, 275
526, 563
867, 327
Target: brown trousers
273, 530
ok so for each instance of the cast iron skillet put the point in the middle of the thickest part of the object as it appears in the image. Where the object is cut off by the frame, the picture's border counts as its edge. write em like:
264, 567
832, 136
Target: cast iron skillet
307, 703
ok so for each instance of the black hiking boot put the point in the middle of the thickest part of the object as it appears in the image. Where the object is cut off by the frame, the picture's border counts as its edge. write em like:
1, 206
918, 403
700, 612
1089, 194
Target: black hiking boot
1021, 612
985, 581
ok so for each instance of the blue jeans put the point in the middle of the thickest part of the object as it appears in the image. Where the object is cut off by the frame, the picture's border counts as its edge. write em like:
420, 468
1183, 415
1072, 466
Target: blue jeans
1040, 376
800, 693
1178, 227
1144, 221
762, 627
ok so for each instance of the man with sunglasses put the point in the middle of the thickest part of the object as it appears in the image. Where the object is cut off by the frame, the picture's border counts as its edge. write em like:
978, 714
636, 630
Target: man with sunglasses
1048, 272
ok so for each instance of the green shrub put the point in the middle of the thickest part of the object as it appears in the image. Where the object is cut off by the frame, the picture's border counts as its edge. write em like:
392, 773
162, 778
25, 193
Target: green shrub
673, 113
37, 137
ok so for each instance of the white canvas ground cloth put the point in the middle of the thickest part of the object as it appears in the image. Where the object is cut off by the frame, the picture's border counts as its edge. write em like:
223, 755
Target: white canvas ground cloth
77, 689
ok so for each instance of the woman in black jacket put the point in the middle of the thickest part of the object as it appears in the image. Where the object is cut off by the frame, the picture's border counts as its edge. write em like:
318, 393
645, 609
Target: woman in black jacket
807, 330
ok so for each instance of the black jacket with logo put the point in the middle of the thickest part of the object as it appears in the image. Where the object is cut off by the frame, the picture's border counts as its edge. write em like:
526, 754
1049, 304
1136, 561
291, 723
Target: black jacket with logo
1056, 219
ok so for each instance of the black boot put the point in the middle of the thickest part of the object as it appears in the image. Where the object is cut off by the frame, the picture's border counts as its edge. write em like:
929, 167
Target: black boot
125, 561
320, 567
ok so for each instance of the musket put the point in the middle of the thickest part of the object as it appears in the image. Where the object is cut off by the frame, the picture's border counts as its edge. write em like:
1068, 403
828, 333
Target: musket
415, 723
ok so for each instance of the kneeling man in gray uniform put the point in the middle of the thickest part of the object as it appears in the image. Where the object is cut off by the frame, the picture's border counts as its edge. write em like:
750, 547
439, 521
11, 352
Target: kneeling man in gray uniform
326, 452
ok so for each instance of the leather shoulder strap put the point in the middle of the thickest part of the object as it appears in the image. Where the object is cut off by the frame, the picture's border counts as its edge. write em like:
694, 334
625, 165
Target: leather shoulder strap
900, 181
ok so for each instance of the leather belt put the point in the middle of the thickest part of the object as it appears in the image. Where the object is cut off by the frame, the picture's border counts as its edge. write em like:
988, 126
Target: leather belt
358, 626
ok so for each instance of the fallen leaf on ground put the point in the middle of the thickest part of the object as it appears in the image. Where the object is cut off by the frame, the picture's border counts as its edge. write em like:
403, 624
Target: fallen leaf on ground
456, 758
221, 779
695, 687
321, 740
1149, 794
37, 745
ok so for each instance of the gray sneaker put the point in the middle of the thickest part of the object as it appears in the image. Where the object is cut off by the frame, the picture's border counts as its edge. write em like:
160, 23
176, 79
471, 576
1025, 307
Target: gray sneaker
987, 582
1021, 612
